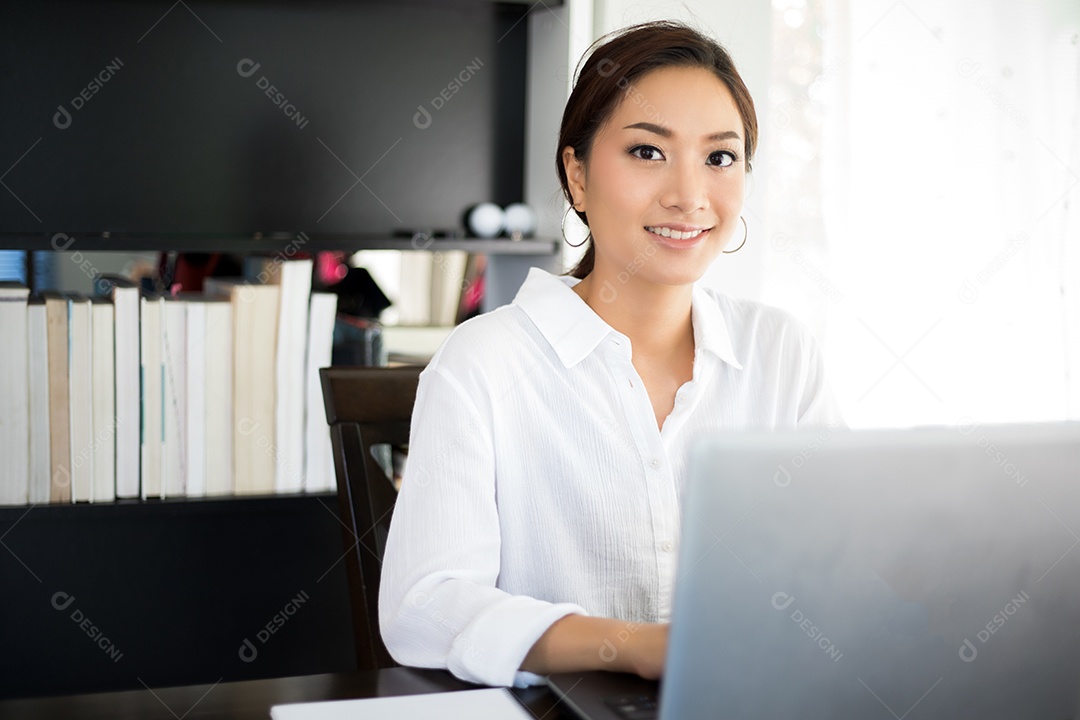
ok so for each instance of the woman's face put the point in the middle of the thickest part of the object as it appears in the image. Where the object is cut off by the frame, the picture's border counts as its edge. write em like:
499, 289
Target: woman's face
663, 184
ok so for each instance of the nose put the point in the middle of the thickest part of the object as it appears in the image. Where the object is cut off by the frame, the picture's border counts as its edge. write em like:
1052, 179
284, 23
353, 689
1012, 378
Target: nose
687, 188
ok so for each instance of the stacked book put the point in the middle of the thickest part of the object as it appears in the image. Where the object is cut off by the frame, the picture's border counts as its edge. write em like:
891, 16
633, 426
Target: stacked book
131, 394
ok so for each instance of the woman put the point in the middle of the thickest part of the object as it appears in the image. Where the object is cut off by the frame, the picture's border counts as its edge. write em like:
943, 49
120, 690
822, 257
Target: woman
538, 521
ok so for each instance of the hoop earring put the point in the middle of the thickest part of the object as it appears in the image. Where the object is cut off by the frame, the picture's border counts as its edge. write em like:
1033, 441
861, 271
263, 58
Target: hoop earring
746, 231
562, 227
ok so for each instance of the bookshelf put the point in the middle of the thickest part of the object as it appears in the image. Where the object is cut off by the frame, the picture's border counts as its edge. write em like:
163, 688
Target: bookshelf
178, 584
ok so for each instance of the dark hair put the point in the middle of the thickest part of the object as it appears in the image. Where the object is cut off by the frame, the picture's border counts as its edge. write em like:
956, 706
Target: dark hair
615, 62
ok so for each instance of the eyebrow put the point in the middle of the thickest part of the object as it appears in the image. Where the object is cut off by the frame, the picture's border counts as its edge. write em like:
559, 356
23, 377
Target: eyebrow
665, 132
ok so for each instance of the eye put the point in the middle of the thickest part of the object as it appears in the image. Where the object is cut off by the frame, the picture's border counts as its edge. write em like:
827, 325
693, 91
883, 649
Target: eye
722, 158
646, 152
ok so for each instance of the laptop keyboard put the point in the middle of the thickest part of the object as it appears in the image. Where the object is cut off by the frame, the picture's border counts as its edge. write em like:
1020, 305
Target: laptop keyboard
634, 707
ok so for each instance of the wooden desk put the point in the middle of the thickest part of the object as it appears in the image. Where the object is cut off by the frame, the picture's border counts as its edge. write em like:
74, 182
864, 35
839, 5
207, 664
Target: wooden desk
253, 698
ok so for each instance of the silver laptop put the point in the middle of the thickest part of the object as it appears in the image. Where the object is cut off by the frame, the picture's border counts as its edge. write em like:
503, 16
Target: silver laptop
888, 574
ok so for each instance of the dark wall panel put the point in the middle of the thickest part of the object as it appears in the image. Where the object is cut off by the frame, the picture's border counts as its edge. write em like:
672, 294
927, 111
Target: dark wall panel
382, 115
109, 597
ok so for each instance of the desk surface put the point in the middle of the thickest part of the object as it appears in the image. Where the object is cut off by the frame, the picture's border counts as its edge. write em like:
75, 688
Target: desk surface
253, 698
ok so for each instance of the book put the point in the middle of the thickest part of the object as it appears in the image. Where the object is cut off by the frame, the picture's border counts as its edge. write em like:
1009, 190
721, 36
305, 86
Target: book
414, 299
318, 454
151, 394
219, 397
125, 298
174, 416
254, 342
81, 397
38, 365
294, 278
103, 393
56, 319
195, 362
14, 395
447, 281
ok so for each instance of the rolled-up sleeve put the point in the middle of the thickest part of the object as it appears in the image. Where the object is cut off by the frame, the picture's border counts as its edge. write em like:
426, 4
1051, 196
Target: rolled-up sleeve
439, 604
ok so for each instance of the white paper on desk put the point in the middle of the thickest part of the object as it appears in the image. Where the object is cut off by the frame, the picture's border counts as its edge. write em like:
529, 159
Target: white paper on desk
489, 703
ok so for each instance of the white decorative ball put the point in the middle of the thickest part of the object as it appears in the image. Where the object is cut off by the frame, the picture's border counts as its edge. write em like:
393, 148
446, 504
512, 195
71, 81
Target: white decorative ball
521, 220
486, 220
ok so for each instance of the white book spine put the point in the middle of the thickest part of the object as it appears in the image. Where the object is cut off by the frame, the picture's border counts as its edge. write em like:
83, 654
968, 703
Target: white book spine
126, 328
150, 356
291, 388
173, 348
414, 299
38, 362
319, 459
80, 383
14, 401
263, 454
219, 399
104, 402
196, 399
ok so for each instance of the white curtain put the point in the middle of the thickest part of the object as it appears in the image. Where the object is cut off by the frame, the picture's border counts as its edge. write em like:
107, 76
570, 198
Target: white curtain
925, 203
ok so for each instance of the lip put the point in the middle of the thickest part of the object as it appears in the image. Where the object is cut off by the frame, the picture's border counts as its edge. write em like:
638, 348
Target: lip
679, 244
681, 227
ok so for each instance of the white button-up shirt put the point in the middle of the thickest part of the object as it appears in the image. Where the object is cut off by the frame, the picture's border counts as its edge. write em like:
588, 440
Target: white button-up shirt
538, 484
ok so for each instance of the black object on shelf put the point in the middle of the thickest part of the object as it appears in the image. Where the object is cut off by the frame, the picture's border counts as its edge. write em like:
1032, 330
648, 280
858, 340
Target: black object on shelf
359, 295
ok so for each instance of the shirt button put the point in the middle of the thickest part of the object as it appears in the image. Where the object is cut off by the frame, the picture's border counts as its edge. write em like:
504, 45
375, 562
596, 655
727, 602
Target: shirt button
654, 464
667, 546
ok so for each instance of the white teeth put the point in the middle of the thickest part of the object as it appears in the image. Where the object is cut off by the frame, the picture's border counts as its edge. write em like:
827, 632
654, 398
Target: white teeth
674, 234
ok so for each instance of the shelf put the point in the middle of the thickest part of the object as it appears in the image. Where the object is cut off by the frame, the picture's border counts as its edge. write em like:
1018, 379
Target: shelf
159, 507
278, 242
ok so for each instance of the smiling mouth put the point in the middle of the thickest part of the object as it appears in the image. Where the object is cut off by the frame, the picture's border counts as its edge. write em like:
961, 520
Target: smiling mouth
666, 232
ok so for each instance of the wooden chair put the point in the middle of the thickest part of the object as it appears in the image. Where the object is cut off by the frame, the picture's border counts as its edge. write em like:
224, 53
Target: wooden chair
365, 407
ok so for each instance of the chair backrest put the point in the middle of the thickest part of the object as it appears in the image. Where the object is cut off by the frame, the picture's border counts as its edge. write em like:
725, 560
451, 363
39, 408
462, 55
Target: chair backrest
365, 407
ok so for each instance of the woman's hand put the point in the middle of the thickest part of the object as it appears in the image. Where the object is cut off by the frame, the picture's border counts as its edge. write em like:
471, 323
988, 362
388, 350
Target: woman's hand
575, 643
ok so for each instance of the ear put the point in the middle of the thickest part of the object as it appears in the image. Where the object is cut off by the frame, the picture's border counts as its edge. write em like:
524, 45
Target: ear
575, 177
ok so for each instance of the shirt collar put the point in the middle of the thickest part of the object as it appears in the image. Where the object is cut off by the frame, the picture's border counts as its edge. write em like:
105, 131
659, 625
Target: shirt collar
710, 328
574, 330
564, 319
